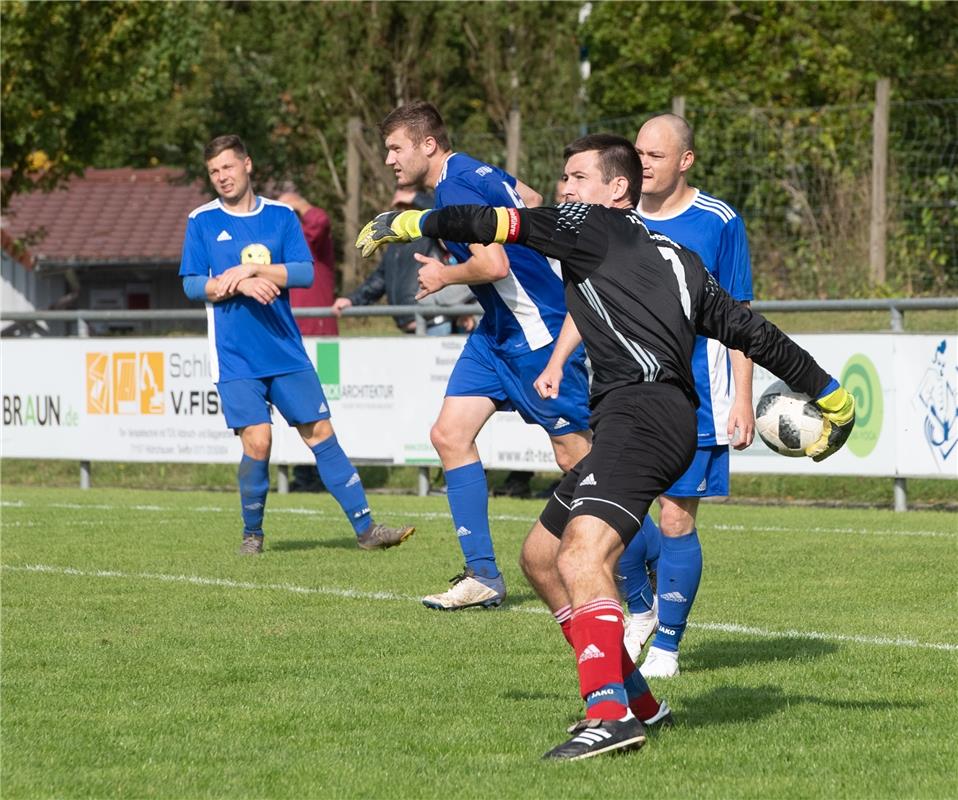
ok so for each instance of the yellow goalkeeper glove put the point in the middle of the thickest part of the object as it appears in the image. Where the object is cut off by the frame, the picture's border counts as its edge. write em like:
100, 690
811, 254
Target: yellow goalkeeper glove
390, 226
838, 419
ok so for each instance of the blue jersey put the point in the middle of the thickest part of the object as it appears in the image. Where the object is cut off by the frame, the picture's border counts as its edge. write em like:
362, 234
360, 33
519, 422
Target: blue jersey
523, 311
716, 232
247, 339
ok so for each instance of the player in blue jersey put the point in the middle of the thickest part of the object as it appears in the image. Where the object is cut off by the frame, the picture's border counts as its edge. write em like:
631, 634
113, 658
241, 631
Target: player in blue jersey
523, 299
241, 255
723, 381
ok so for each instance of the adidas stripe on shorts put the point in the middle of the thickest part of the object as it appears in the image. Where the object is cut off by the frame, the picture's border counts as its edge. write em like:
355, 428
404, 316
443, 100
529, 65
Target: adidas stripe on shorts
644, 438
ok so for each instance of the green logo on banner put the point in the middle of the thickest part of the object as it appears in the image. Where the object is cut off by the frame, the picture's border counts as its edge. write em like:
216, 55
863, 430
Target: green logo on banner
327, 368
861, 379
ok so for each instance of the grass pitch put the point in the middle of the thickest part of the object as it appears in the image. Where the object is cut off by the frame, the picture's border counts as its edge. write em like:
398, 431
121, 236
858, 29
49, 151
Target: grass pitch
143, 658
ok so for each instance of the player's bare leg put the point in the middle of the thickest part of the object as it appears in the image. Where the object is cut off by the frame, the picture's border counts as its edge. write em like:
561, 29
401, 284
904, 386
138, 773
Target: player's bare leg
454, 437
342, 481
253, 479
679, 572
587, 556
571, 448
616, 696
454, 432
538, 561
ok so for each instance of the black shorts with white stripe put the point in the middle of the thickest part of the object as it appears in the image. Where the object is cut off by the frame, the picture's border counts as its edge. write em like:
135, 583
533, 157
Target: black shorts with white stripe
644, 438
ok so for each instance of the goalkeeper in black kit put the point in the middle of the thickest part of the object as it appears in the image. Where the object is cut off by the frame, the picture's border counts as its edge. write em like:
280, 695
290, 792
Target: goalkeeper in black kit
637, 299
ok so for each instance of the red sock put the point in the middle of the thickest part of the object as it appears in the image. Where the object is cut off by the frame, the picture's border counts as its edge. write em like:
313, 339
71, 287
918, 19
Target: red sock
597, 630
643, 703
564, 618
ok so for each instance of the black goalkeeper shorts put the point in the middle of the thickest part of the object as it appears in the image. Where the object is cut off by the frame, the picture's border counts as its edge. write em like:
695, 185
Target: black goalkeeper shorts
644, 438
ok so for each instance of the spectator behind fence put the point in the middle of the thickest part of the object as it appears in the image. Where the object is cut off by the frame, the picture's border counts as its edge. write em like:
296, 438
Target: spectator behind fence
396, 277
319, 237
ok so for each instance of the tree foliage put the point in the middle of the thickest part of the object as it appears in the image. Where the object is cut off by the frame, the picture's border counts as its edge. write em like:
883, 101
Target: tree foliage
75, 74
781, 96
779, 92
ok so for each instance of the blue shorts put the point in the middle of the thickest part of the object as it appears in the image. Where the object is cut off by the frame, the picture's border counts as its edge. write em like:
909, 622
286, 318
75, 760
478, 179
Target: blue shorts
298, 396
707, 476
483, 372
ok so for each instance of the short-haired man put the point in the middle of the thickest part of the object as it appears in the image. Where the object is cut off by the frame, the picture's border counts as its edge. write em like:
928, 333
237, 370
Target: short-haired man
637, 299
522, 297
672, 549
241, 255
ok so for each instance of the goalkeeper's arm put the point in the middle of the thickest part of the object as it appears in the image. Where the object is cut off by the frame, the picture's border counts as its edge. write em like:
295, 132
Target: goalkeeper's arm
474, 224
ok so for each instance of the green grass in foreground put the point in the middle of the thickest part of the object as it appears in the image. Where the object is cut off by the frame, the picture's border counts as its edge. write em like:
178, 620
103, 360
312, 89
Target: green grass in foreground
142, 658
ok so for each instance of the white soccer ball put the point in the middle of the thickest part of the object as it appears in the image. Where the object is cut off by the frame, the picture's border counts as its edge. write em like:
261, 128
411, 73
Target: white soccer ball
787, 421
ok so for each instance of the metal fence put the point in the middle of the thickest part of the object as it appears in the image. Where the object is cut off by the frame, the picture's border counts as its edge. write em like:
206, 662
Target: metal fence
896, 307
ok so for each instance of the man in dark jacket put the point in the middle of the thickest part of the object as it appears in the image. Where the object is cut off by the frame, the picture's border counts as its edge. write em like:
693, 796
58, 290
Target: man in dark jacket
396, 277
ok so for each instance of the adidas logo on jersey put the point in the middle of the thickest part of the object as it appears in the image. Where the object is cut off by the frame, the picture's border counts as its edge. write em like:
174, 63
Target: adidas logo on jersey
462, 530
674, 597
589, 480
224, 237
353, 480
703, 485
560, 423
323, 408
591, 651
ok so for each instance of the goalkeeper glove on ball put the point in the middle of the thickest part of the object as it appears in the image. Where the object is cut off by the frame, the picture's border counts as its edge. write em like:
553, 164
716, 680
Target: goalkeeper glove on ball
838, 419
390, 226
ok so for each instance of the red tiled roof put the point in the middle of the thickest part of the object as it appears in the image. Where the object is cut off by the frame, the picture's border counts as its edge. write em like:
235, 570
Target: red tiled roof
107, 216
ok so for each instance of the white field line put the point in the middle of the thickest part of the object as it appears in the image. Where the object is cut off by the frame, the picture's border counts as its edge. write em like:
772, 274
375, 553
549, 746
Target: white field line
354, 594
864, 531
311, 512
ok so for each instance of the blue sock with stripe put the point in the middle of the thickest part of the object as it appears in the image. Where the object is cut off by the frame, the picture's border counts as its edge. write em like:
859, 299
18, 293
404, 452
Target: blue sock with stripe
612, 693
468, 495
680, 572
253, 478
341, 480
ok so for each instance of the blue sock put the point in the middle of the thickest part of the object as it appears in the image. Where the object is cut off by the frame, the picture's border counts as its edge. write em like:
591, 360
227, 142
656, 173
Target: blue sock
253, 477
636, 586
653, 543
468, 496
342, 481
680, 571
636, 685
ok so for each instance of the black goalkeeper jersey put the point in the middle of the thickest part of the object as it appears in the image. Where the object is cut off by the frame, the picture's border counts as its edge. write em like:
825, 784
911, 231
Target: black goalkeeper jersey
637, 298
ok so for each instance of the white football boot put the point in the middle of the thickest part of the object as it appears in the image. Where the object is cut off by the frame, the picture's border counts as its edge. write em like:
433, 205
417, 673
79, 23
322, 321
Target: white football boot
469, 590
660, 664
639, 629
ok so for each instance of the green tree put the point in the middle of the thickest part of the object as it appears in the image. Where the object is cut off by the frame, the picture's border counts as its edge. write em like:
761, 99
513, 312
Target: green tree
780, 95
74, 74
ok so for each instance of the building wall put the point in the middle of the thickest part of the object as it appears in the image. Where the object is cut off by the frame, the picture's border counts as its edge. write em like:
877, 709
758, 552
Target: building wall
22, 289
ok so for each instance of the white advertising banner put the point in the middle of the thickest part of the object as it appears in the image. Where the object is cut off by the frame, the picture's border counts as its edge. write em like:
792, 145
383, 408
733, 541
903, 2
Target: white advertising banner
153, 400
884, 372
112, 400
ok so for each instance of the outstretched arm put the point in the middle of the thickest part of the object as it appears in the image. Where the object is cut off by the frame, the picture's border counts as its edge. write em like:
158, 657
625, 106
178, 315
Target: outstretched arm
737, 326
534, 227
